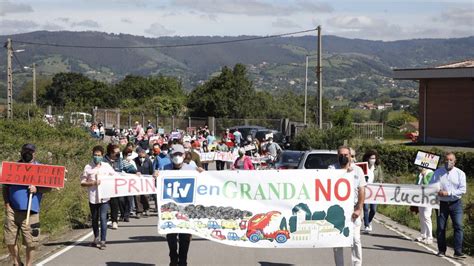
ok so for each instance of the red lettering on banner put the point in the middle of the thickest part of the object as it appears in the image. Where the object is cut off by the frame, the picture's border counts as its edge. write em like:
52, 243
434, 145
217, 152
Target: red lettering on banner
348, 185
368, 196
150, 185
326, 191
32, 174
382, 194
131, 183
124, 182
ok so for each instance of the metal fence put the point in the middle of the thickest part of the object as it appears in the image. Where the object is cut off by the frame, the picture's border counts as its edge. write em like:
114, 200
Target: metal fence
368, 130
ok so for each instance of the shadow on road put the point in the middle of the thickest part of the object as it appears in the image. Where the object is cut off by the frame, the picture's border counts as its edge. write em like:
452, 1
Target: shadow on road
266, 263
387, 236
114, 263
397, 249
133, 239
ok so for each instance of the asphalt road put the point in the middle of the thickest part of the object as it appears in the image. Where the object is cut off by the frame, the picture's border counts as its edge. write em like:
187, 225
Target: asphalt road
138, 243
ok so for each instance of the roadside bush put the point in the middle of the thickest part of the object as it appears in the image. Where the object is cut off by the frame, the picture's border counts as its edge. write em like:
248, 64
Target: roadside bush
313, 138
68, 146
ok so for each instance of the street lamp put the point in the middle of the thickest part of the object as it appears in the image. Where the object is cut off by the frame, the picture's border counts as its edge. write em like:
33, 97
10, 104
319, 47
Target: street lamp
33, 67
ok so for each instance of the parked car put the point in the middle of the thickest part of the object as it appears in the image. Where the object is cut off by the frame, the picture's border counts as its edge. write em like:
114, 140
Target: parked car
277, 135
318, 159
289, 159
247, 130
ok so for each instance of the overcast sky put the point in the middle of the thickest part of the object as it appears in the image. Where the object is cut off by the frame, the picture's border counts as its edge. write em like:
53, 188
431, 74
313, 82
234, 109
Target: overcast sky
373, 19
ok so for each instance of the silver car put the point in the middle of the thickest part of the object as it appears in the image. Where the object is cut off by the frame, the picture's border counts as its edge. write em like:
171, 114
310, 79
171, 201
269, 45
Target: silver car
318, 159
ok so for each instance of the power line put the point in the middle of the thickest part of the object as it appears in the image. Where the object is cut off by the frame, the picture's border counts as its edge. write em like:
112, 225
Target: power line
165, 46
18, 61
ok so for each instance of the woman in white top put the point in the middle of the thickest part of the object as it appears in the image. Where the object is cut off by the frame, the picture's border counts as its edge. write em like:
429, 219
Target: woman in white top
374, 175
98, 207
426, 226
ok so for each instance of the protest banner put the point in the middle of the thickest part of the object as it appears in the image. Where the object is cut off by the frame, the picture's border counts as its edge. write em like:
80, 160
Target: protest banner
225, 156
207, 156
40, 175
161, 131
250, 147
281, 209
121, 184
427, 160
397, 194
175, 135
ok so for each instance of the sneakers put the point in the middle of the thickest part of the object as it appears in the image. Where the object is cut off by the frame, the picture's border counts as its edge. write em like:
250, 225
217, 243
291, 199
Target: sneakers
95, 242
145, 213
370, 227
420, 239
428, 241
126, 219
459, 255
139, 215
102, 245
115, 225
441, 254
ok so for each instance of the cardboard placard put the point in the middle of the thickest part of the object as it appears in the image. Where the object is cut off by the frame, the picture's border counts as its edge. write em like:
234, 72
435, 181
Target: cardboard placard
40, 175
427, 160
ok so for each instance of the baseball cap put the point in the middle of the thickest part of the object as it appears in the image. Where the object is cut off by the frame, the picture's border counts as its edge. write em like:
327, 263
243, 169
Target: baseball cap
28, 146
177, 148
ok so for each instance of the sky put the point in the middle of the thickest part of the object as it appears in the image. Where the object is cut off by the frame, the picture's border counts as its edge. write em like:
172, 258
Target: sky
370, 19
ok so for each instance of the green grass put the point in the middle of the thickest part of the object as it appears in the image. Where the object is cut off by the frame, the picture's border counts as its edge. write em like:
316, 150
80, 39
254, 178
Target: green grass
67, 208
402, 215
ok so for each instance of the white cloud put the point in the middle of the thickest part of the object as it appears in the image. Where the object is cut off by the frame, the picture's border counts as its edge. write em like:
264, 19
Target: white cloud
16, 26
457, 16
126, 20
252, 7
156, 29
284, 23
7, 7
211, 17
86, 24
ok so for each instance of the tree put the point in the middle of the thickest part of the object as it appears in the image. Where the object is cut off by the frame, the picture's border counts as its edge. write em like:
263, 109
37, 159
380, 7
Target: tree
230, 94
26, 94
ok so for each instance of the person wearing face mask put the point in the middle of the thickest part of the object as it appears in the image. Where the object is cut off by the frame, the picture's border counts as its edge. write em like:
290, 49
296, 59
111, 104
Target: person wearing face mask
155, 151
426, 235
353, 172
243, 162
375, 175
205, 148
15, 198
452, 182
127, 203
179, 253
188, 147
99, 207
222, 147
163, 160
145, 167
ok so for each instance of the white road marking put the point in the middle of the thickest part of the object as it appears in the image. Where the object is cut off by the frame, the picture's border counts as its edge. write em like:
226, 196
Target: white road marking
418, 243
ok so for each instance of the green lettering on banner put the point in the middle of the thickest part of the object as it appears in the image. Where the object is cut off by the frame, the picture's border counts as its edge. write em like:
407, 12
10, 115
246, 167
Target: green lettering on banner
286, 192
245, 190
272, 188
303, 192
233, 193
259, 193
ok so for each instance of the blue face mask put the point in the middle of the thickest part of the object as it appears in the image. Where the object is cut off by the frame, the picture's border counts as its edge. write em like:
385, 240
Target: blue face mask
97, 159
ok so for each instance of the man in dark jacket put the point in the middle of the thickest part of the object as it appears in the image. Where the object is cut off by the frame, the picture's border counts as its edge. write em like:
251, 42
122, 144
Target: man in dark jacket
145, 167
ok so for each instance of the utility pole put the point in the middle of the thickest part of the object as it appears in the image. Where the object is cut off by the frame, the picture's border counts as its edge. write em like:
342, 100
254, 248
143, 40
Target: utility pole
319, 77
306, 90
9, 79
34, 84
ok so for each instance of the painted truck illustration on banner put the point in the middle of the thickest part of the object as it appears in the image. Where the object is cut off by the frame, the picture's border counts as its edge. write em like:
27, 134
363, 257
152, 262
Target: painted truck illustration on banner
258, 228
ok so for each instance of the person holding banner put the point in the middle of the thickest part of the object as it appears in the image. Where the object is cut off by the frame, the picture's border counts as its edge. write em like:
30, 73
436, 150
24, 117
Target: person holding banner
375, 175
243, 162
452, 181
178, 256
145, 167
354, 172
424, 213
99, 207
222, 147
16, 199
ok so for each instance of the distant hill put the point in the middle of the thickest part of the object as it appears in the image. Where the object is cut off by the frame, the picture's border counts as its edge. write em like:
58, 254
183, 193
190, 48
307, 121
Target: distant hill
352, 67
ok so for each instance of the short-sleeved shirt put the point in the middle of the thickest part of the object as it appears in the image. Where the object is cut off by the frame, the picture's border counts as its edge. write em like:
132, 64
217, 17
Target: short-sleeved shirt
357, 174
89, 174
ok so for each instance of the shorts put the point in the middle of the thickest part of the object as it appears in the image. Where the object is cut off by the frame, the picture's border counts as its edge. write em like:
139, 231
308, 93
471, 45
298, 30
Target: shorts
15, 220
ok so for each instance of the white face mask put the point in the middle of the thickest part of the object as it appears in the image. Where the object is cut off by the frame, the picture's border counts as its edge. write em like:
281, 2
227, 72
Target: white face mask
178, 160
372, 161
142, 159
165, 152
186, 149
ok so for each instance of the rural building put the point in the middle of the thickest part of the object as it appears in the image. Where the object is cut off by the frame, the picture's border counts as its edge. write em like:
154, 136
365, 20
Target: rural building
446, 102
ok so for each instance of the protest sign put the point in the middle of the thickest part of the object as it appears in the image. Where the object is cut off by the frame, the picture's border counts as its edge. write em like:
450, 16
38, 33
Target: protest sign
175, 135
207, 156
40, 175
225, 156
396, 194
121, 184
282, 209
250, 147
427, 160
364, 166
161, 131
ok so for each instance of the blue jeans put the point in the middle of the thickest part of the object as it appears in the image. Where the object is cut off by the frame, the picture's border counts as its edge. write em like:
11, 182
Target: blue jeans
453, 209
99, 211
368, 216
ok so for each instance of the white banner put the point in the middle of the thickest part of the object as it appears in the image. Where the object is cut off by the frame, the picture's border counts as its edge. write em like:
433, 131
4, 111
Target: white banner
218, 156
281, 209
121, 184
397, 194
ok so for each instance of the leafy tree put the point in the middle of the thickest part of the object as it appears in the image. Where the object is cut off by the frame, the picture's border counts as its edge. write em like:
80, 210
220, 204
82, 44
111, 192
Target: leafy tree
26, 94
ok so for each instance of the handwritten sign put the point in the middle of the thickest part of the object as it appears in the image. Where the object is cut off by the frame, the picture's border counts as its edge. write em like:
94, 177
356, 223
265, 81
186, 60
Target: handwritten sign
175, 135
225, 156
250, 147
207, 156
397, 194
161, 131
40, 175
427, 160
